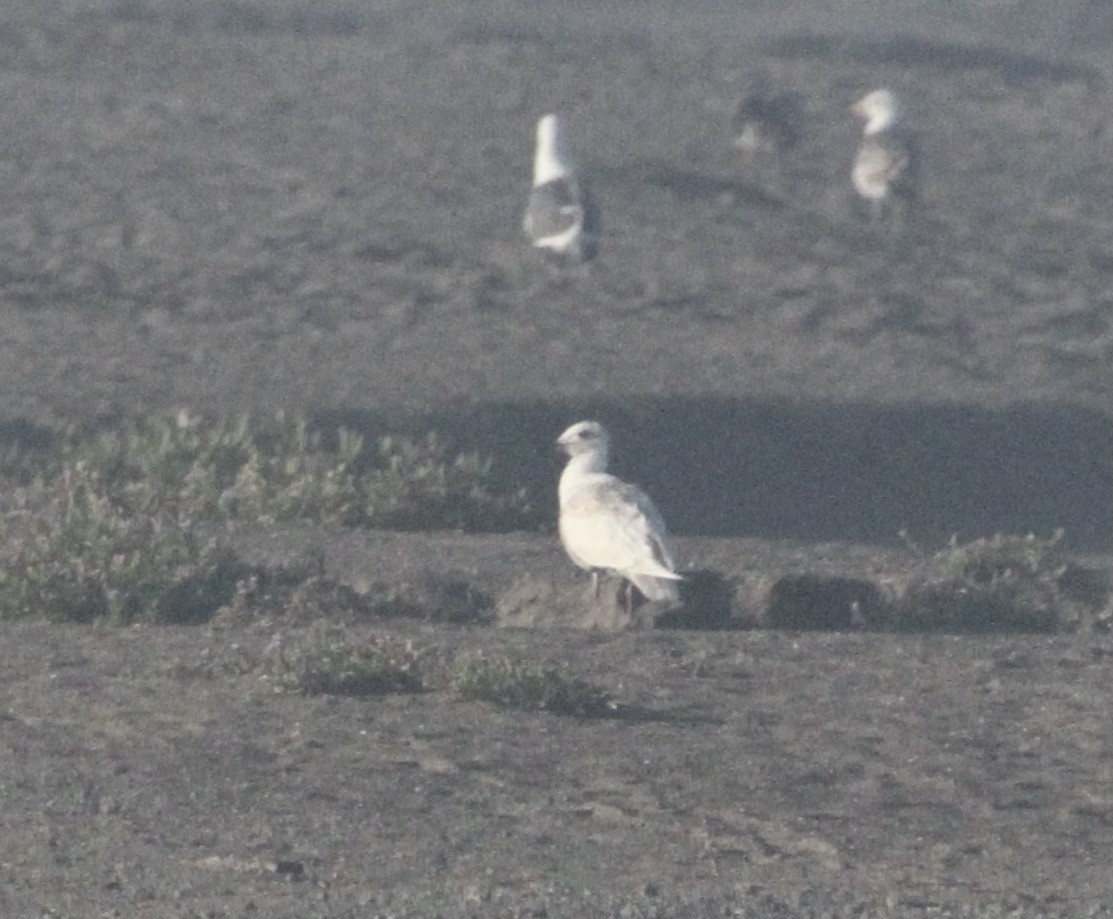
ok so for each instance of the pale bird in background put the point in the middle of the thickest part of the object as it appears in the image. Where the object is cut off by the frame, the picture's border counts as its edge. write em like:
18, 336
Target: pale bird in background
561, 217
884, 171
610, 525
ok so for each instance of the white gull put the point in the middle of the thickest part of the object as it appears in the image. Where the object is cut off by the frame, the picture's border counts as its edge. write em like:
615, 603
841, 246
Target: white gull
884, 169
608, 524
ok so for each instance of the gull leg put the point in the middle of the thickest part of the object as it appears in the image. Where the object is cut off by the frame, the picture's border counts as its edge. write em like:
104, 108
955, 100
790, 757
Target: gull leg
595, 582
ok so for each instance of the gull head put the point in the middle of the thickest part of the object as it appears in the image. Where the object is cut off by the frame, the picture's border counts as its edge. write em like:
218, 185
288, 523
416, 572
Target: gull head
879, 109
552, 159
586, 438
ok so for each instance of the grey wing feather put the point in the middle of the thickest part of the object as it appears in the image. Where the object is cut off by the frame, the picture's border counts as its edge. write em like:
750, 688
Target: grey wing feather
553, 208
593, 224
655, 531
557, 208
908, 185
653, 588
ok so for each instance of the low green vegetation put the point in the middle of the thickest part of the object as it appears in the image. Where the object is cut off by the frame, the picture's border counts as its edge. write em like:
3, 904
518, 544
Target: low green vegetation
326, 659
999, 583
192, 469
511, 684
70, 552
290, 595
105, 525
1003, 559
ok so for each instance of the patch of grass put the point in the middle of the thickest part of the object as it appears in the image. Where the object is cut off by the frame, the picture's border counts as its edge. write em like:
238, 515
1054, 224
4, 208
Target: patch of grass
511, 684
326, 659
103, 525
419, 484
1003, 559
1000, 583
302, 592
432, 598
106, 534
291, 594
191, 469
70, 553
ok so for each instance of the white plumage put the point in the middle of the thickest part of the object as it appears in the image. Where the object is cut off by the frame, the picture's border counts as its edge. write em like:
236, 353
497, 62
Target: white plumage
885, 166
608, 524
561, 217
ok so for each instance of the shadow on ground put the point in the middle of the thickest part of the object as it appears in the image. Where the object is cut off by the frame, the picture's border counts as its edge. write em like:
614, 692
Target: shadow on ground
819, 471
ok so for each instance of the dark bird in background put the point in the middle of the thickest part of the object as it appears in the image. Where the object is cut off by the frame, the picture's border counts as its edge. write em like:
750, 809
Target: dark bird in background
766, 122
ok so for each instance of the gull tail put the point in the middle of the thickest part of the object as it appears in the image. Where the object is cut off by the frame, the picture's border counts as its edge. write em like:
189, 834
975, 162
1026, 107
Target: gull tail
657, 590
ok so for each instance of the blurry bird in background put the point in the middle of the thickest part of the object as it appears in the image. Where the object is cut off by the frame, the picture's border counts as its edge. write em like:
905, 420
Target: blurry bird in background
561, 217
886, 167
766, 122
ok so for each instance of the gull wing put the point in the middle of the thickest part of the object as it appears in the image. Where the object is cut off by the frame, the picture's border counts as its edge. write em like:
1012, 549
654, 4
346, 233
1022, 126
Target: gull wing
561, 216
608, 523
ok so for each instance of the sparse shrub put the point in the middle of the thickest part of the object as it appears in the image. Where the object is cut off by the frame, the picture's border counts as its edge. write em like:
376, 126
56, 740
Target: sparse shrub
418, 484
326, 659
440, 597
302, 593
192, 469
72, 554
1001, 583
510, 684
174, 464
1003, 559
294, 594
107, 528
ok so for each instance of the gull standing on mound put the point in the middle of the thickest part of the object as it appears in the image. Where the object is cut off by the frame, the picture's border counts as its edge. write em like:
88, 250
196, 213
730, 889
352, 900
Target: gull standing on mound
885, 168
561, 218
608, 524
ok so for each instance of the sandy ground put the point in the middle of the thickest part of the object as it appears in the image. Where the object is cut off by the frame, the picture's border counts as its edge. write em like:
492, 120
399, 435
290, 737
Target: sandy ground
240, 207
